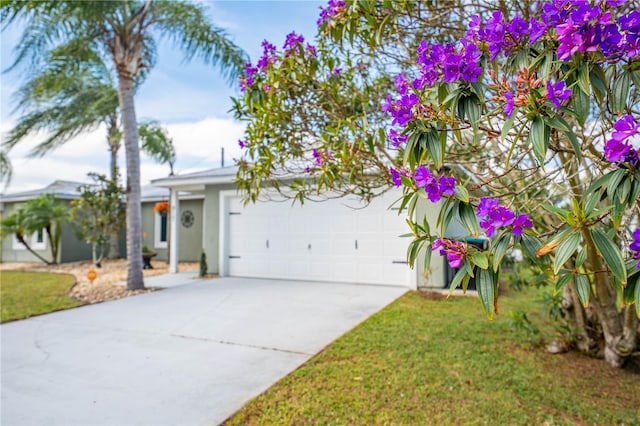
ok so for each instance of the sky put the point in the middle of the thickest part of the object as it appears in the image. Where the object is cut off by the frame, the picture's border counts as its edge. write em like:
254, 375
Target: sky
191, 100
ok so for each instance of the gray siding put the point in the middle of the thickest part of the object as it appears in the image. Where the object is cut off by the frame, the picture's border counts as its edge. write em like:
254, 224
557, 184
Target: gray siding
71, 249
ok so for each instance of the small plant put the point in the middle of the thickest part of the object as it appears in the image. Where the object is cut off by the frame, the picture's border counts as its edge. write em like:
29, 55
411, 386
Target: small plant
520, 322
203, 265
146, 249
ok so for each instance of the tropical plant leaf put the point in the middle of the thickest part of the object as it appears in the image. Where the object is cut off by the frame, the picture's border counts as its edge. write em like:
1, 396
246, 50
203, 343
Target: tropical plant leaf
565, 250
610, 253
581, 283
485, 285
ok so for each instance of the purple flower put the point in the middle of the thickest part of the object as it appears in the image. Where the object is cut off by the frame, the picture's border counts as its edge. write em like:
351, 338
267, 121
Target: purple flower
291, 43
455, 251
337, 71
616, 151
397, 138
401, 84
311, 50
502, 216
557, 93
625, 128
486, 206
242, 144
496, 216
333, 9
510, 105
538, 30
521, 222
317, 156
396, 176
447, 186
422, 177
635, 246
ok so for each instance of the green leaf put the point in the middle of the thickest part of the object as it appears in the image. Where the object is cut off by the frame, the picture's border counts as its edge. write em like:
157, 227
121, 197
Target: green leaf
620, 92
539, 139
598, 79
610, 253
581, 283
486, 291
560, 212
480, 259
614, 181
501, 244
637, 298
563, 279
581, 257
581, 104
508, 125
462, 194
565, 250
530, 244
583, 79
468, 218
435, 148
457, 279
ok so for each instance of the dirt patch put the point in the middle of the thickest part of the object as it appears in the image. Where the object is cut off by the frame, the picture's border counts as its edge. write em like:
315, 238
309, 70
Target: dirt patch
105, 286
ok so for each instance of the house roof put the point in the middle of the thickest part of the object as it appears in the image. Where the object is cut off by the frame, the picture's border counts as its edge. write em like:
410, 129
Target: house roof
63, 189
69, 190
197, 180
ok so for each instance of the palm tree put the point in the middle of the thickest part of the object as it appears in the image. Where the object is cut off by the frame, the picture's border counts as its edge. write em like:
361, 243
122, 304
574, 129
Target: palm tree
42, 214
125, 32
157, 144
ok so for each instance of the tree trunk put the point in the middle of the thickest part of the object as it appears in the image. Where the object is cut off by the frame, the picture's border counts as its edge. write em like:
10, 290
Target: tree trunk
604, 300
134, 214
114, 148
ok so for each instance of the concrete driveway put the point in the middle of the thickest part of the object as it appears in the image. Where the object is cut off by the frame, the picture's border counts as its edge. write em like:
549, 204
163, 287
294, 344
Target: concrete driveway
191, 354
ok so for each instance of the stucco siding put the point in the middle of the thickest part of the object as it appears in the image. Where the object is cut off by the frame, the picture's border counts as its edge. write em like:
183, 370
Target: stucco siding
212, 224
189, 238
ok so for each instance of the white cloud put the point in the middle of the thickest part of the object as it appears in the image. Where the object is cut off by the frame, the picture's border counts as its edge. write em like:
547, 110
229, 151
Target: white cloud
197, 145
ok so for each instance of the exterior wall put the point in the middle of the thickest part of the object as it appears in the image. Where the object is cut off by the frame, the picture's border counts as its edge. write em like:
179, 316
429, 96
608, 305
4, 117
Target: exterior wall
71, 249
190, 239
211, 227
435, 276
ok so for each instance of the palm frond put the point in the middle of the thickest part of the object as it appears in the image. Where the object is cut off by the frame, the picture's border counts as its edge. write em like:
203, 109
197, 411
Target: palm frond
186, 25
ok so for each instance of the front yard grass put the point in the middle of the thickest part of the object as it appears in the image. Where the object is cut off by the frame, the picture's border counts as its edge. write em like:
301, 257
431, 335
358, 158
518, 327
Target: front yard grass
439, 362
25, 294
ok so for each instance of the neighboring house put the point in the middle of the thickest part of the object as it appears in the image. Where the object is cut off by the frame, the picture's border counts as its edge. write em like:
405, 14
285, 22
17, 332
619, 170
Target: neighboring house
337, 240
71, 248
155, 226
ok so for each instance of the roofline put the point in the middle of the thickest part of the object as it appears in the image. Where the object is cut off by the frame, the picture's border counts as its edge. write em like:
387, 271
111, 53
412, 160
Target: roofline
18, 198
177, 182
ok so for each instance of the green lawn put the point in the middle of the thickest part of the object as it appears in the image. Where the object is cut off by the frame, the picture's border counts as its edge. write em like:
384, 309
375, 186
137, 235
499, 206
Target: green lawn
25, 294
421, 362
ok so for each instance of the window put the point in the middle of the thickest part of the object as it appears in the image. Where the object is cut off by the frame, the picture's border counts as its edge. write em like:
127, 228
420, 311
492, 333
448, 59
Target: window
37, 241
161, 230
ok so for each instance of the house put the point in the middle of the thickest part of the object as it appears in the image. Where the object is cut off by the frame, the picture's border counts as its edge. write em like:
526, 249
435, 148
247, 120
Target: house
337, 240
71, 248
154, 225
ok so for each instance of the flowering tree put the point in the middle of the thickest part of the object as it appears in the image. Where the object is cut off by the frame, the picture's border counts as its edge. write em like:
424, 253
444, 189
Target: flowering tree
524, 129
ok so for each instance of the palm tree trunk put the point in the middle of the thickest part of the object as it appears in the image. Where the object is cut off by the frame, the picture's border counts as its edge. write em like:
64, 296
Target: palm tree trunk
134, 214
114, 147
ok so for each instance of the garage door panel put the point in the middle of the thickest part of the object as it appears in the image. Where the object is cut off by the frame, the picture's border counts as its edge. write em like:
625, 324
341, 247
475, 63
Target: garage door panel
327, 241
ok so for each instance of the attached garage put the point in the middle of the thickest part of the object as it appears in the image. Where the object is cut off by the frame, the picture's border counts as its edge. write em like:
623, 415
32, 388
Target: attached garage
336, 240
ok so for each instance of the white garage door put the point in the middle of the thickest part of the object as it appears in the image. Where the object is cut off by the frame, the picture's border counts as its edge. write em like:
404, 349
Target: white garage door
320, 241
